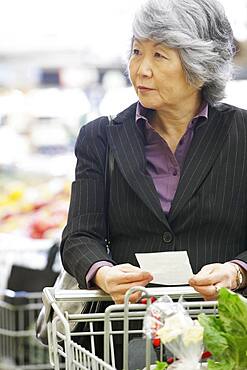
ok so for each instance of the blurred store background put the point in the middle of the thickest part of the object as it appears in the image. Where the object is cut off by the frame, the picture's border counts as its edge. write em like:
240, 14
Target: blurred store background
62, 63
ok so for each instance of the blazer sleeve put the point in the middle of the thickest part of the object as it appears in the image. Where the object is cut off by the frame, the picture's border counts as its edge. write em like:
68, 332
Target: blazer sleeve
83, 239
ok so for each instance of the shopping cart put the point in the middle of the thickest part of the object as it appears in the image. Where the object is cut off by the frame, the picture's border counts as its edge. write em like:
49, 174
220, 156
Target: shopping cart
63, 346
19, 349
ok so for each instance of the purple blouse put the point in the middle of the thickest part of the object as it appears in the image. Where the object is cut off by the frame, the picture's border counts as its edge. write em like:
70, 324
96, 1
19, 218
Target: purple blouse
162, 165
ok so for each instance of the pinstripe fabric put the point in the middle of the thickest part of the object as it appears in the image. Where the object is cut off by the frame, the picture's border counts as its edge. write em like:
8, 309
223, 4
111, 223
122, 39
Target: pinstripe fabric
208, 214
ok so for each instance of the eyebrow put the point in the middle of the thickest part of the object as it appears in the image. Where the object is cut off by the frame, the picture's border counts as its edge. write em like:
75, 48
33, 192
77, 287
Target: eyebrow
159, 43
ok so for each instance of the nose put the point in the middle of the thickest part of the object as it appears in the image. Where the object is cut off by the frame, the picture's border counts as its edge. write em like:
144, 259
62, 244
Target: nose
145, 68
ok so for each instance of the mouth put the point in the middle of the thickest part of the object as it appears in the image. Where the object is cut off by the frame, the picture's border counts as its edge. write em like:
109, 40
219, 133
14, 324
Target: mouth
144, 88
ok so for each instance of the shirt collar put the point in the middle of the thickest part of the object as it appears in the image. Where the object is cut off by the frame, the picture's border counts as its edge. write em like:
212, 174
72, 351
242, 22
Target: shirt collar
143, 113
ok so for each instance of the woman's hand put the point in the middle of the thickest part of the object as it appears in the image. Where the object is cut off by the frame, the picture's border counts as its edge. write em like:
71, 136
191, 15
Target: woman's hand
213, 277
116, 280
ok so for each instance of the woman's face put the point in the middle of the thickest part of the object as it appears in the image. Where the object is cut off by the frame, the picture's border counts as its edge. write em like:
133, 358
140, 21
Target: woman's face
158, 77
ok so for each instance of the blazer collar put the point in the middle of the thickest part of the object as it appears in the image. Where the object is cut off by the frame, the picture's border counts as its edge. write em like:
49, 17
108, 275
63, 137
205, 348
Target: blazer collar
206, 145
126, 141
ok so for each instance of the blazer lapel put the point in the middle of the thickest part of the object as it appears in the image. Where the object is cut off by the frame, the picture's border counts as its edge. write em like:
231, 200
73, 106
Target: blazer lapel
127, 144
205, 147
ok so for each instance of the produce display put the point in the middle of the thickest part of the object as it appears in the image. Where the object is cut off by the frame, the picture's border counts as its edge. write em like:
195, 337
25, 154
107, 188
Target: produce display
33, 207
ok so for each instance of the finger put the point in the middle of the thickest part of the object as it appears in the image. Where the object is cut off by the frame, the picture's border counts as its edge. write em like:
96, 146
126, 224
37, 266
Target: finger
127, 267
122, 288
219, 277
137, 277
214, 295
208, 292
208, 275
205, 281
119, 298
135, 297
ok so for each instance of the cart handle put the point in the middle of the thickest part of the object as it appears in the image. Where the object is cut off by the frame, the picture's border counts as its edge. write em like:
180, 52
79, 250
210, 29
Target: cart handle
100, 295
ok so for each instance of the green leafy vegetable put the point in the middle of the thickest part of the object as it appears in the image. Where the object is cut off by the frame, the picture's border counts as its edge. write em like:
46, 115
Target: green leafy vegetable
226, 336
161, 365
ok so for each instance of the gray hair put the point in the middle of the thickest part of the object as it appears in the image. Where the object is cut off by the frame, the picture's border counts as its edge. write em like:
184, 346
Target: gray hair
201, 32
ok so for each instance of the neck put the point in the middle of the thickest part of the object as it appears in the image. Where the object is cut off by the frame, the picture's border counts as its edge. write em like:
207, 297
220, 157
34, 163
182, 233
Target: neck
176, 120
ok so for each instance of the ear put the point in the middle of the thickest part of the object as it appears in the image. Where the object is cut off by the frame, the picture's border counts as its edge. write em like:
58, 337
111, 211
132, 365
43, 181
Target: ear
199, 84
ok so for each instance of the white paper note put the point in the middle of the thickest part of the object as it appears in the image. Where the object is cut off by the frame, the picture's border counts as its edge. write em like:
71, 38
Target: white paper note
167, 268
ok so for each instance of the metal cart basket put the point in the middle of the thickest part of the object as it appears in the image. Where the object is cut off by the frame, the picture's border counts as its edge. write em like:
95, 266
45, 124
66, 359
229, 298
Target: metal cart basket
63, 346
19, 349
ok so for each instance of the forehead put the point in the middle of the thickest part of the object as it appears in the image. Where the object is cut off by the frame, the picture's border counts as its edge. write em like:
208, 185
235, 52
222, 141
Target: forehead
150, 43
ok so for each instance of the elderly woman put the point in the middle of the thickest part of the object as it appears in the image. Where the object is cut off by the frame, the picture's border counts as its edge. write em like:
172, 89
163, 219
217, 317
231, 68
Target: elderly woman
180, 164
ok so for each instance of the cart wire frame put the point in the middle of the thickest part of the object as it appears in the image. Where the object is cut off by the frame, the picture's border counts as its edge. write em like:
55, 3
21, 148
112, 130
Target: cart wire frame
19, 348
62, 344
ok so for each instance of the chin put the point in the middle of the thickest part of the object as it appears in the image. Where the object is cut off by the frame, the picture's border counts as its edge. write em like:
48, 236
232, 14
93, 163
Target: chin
147, 105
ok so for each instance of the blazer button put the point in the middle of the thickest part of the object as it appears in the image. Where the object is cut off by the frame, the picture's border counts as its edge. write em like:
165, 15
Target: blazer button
167, 237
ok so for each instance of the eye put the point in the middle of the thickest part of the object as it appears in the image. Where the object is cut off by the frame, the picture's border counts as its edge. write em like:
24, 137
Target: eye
136, 51
158, 55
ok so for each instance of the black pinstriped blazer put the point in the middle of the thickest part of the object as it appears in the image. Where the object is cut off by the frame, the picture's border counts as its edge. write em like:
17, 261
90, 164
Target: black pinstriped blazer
208, 217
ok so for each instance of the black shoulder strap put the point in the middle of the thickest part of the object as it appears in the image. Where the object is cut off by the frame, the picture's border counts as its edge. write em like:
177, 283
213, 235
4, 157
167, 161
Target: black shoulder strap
109, 166
52, 253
